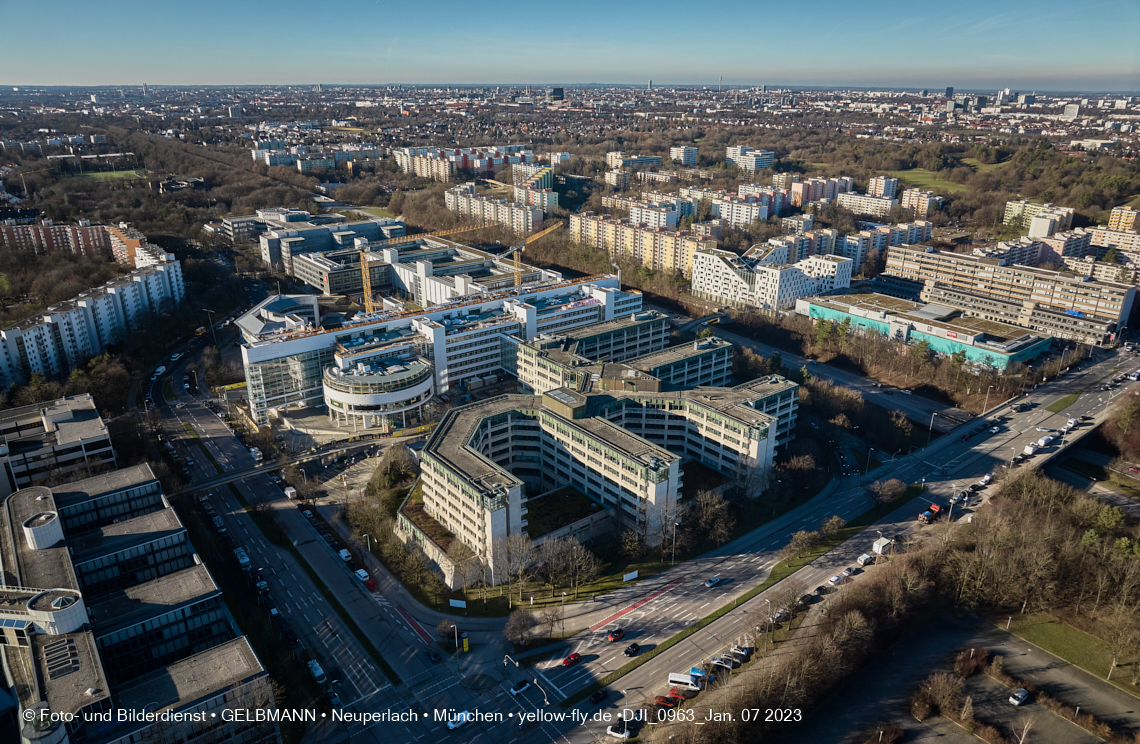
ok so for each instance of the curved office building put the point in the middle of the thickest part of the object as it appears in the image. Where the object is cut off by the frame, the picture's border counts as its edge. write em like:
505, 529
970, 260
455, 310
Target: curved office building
379, 393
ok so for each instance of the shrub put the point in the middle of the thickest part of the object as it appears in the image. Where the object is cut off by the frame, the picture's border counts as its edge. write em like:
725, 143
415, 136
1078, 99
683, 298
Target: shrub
988, 734
920, 706
967, 664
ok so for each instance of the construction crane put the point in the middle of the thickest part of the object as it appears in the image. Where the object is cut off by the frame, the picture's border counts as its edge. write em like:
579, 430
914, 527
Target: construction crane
517, 250
366, 257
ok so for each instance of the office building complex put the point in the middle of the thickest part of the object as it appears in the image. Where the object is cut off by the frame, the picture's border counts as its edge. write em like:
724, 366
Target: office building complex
1123, 218
468, 338
656, 248
985, 343
50, 439
443, 165
426, 270
748, 160
108, 607
520, 218
876, 206
1020, 214
293, 233
765, 278
883, 186
619, 160
63, 336
922, 202
686, 156
614, 437
1050, 303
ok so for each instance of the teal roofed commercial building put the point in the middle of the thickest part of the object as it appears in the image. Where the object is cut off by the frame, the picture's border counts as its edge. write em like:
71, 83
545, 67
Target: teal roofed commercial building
948, 330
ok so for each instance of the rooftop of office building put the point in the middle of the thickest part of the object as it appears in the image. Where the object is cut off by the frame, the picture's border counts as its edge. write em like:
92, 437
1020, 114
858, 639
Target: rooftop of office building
149, 599
923, 314
391, 371
57, 422
114, 480
678, 353
279, 313
124, 534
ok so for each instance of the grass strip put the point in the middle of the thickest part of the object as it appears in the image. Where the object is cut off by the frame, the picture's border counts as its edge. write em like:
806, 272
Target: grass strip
202, 446
276, 535
168, 391
1059, 405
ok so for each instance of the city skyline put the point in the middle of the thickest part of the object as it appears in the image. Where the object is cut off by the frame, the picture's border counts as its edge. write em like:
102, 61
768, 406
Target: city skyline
1024, 45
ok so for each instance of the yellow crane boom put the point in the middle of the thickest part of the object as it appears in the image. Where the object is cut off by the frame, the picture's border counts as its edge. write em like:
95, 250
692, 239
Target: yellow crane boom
517, 249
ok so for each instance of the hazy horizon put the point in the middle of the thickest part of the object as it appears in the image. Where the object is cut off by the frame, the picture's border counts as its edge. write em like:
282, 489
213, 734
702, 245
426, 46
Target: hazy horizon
1044, 46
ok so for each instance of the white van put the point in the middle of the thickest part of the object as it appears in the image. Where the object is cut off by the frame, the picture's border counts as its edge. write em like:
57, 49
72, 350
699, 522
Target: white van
684, 681
344, 555
866, 559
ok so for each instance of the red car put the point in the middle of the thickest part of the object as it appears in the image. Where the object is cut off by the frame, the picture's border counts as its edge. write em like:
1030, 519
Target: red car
370, 585
616, 635
668, 702
572, 659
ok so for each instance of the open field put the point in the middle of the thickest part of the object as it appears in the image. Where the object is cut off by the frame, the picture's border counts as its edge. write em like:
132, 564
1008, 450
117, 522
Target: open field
926, 179
378, 212
349, 129
107, 175
981, 167
1074, 646
1133, 202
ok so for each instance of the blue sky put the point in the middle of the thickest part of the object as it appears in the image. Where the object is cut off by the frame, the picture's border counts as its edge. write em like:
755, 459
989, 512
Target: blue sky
1045, 45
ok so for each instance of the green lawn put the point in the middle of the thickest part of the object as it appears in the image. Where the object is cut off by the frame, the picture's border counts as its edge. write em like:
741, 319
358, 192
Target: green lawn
168, 391
1074, 646
108, 175
926, 179
378, 212
982, 167
1134, 202
1060, 405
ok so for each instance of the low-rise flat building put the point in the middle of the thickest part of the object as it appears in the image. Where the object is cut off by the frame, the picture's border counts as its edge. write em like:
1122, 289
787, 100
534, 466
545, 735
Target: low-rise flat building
948, 330
52, 438
619, 160
1050, 303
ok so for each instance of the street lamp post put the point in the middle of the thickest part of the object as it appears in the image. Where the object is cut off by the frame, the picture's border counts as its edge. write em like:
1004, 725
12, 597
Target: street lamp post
453, 627
212, 328
985, 405
768, 624
673, 560
563, 614
930, 433
369, 539
868, 468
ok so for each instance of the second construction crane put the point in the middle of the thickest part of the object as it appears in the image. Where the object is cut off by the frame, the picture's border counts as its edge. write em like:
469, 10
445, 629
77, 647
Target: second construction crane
517, 249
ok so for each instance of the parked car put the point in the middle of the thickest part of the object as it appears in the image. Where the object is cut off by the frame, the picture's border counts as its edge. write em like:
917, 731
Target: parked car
461, 719
835, 580
665, 701
571, 660
334, 699
1019, 697
619, 731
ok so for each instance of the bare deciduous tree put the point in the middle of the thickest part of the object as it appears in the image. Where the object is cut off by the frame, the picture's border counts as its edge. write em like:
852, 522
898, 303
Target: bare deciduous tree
518, 627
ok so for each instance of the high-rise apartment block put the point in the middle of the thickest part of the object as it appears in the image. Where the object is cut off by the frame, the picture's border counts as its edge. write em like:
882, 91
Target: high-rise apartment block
619, 179
654, 215
656, 248
618, 160
1052, 303
748, 160
814, 189
785, 180
60, 338
883, 186
766, 277
922, 202
876, 206
1020, 214
686, 156
84, 239
443, 164
1123, 218
521, 218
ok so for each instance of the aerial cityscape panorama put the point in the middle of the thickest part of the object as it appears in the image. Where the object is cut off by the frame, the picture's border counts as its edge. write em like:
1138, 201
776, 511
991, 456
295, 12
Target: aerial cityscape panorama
623, 377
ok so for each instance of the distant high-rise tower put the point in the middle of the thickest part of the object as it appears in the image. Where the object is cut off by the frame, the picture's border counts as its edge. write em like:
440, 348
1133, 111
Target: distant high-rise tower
763, 88
145, 94
557, 94
950, 92
650, 85
320, 89
720, 84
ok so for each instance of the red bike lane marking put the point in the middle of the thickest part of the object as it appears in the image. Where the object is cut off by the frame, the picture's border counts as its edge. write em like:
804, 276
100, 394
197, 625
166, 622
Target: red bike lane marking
416, 627
630, 608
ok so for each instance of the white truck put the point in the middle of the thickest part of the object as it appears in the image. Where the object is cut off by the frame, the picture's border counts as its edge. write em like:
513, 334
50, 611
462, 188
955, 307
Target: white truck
255, 452
1045, 441
290, 492
242, 558
1031, 448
